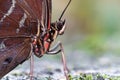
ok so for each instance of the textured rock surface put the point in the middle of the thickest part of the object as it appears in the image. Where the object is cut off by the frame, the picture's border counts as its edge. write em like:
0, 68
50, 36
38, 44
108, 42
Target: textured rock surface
51, 67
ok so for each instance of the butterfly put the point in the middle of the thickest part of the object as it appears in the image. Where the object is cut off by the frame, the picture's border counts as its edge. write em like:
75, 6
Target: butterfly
26, 28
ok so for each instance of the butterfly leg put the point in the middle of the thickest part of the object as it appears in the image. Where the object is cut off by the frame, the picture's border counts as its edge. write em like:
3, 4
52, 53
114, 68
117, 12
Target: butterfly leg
55, 51
31, 66
31, 61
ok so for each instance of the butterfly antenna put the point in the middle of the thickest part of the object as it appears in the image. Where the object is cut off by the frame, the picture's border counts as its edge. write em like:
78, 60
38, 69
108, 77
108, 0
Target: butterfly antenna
65, 9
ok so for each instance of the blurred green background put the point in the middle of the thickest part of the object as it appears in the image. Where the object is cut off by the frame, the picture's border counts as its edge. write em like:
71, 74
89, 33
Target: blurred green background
93, 26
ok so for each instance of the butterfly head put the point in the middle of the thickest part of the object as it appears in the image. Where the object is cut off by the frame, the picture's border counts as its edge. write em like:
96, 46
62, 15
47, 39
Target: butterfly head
58, 27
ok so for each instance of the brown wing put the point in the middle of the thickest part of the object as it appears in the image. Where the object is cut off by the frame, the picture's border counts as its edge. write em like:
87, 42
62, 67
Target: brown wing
46, 13
18, 17
12, 53
33, 8
10, 16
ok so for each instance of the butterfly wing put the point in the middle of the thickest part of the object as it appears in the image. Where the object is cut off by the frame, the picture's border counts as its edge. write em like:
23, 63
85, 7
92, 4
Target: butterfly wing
12, 53
46, 13
16, 19
33, 8
16, 15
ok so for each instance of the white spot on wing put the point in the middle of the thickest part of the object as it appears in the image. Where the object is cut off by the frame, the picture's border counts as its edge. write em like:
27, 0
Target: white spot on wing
22, 21
9, 11
17, 30
2, 46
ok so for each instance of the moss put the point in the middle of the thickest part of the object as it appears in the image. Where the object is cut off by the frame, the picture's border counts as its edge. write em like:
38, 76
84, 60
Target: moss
93, 77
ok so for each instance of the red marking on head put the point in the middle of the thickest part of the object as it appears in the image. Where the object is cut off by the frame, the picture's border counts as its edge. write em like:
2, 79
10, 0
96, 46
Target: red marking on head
46, 45
46, 37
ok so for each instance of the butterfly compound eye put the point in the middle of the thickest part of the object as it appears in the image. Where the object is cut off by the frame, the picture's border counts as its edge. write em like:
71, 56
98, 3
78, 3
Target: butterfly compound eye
61, 27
